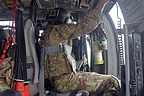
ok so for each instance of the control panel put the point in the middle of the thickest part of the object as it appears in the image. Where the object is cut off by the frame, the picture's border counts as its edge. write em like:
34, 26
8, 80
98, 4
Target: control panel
136, 67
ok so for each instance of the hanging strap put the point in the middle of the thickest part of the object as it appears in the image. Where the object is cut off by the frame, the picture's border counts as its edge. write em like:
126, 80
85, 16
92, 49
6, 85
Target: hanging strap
33, 11
67, 50
22, 46
32, 16
20, 57
18, 64
41, 74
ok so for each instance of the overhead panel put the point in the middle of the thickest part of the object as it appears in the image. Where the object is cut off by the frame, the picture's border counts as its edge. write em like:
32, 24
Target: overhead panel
6, 8
132, 9
2, 5
10, 3
46, 4
26, 3
68, 4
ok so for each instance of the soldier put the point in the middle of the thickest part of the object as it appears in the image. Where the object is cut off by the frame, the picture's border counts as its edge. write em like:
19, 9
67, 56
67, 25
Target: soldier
60, 67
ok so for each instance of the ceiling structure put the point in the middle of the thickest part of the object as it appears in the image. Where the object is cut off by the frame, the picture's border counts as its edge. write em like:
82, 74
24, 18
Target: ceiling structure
44, 5
132, 10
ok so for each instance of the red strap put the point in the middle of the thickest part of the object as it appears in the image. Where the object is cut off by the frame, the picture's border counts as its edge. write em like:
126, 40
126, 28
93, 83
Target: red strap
6, 47
13, 16
7, 44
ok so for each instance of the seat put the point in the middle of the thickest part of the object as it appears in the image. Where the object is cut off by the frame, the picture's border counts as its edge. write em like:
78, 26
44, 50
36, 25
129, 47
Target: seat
51, 91
73, 93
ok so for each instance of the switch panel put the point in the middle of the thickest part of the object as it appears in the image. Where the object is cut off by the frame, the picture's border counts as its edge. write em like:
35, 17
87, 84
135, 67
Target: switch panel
136, 70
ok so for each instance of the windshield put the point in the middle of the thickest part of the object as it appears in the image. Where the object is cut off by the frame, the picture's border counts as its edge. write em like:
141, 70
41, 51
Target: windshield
117, 16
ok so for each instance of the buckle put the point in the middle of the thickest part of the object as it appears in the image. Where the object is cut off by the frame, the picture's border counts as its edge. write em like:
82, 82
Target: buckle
54, 49
61, 48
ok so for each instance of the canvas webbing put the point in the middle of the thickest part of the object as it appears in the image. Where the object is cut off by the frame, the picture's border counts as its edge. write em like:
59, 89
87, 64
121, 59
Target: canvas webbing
41, 75
20, 57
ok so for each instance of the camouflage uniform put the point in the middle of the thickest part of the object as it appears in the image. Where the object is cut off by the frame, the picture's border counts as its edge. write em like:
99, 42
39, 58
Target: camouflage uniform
57, 66
5, 74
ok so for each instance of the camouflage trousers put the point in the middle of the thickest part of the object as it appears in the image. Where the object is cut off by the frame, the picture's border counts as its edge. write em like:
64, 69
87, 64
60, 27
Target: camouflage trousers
96, 84
3, 86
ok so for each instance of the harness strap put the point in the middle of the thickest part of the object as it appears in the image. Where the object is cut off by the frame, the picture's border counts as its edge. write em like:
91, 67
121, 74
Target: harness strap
67, 50
62, 48
22, 45
18, 59
41, 74
54, 49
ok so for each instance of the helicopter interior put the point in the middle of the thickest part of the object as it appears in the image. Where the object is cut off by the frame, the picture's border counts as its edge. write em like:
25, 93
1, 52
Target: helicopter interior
124, 55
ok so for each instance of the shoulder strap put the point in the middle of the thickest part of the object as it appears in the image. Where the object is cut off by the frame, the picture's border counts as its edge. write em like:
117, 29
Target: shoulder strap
71, 60
33, 11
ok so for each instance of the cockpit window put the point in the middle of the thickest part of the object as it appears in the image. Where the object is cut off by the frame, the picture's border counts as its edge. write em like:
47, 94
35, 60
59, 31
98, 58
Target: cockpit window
117, 16
5, 23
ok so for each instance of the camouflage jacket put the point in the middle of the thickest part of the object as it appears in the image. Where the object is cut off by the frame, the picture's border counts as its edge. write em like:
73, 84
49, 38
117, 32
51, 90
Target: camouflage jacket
61, 33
